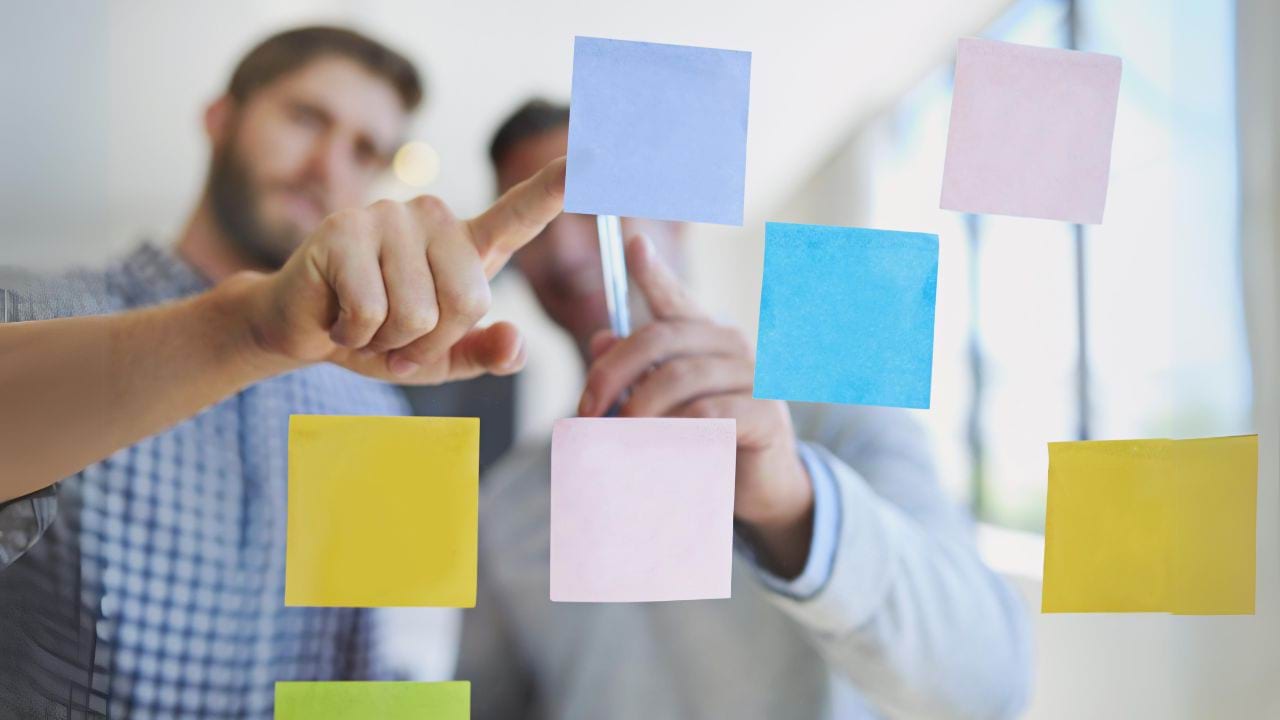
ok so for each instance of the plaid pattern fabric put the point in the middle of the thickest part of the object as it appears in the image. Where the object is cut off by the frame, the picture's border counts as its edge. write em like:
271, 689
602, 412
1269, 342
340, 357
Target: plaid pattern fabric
171, 552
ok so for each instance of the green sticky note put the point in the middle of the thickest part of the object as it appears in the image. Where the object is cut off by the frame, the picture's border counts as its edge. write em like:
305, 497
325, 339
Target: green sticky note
352, 700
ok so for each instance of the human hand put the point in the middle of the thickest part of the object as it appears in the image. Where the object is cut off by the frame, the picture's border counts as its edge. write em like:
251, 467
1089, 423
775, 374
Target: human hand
395, 290
683, 364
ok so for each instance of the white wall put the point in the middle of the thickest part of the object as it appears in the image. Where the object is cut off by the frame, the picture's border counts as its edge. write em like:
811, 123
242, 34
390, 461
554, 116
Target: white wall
102, 101
100, 139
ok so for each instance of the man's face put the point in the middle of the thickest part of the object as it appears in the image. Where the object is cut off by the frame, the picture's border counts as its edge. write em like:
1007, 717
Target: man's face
562, 264
297, 149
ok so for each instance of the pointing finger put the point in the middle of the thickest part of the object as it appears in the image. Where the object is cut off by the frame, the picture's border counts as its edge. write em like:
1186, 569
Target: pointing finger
667, 298
518, 216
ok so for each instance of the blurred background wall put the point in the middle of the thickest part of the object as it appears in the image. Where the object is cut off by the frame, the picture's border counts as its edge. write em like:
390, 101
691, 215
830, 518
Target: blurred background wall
1139, 327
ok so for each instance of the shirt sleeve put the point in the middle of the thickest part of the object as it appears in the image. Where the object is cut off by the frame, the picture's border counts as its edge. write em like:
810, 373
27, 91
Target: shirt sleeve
23, 520
894, 594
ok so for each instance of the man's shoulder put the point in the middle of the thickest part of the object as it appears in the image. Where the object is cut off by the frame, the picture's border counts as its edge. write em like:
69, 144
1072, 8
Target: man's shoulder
31, 295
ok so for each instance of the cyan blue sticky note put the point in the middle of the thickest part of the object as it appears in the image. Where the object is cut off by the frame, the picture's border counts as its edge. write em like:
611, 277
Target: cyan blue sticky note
846, 315
657, 131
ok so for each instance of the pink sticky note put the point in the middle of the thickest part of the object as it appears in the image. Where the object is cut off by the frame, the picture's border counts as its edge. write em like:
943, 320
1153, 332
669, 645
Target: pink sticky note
1031, 131
641, 509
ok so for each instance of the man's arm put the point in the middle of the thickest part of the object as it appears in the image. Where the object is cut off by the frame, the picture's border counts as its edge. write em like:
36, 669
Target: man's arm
906, 609
876, 566
393, 291
683, 364
78, 389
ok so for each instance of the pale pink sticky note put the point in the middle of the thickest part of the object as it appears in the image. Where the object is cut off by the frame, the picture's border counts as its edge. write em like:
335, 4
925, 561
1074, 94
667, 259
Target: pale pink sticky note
1031, 131
641, 509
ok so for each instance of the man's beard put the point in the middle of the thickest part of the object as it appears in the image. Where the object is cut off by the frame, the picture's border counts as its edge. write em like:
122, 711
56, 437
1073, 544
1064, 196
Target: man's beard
233, 196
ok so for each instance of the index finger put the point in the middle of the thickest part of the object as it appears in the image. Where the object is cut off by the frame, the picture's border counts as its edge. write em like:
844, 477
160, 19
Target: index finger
667, 298
518, 216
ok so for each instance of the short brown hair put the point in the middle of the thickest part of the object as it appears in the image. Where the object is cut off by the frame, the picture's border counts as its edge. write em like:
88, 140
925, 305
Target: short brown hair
285, 52
535, 117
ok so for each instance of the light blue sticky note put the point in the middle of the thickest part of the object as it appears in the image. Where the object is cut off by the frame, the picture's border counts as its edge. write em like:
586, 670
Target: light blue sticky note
657, 131
846, 315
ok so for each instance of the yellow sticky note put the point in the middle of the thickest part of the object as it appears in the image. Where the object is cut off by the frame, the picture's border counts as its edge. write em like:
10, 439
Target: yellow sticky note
382, 511
1215, 522
353, 700
1152, 526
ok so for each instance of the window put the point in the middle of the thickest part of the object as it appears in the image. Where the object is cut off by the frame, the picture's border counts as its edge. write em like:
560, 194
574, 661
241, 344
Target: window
1049, 331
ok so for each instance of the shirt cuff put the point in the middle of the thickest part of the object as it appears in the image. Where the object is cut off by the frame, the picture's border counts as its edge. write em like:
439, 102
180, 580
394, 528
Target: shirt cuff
23, 520
868, 547
826, 533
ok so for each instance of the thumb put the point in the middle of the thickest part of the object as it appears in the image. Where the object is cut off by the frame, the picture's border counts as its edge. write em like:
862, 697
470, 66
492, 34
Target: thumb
496, 350
667, 298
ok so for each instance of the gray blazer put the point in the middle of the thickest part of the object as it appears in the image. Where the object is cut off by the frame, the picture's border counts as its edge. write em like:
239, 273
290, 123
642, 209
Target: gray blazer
909, 621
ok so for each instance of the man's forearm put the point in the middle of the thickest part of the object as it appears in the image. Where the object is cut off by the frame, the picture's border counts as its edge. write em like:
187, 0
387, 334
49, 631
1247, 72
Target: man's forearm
75, 390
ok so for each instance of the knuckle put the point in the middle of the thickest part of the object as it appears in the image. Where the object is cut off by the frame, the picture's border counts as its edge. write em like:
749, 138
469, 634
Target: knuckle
655, 334
471, 303
385, 207
368, 312
431, 209
388, 213
677, 372
345, 226
419, 320
345, 220
703, 408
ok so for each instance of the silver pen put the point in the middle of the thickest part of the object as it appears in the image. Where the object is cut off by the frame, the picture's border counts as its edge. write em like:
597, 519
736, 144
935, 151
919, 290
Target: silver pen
613, 261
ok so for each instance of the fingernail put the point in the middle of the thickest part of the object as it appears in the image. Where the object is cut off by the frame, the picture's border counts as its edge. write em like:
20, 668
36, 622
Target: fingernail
647, 243
401, 366
518, 360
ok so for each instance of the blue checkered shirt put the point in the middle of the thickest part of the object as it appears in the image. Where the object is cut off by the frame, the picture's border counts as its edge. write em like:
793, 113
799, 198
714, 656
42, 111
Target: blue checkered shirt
151, 585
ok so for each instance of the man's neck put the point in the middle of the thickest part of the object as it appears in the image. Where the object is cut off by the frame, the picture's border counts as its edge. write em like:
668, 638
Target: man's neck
205, 247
